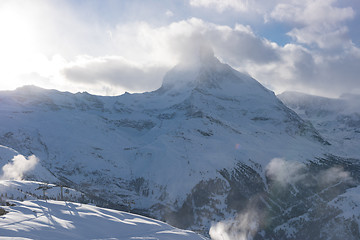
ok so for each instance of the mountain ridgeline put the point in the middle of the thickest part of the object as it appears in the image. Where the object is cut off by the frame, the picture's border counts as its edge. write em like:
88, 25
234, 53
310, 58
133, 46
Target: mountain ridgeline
209, 147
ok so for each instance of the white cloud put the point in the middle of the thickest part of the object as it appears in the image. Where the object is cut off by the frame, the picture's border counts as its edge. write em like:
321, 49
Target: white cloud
285, 172
221, 5
321, 60
280, 68
147, 52
169, 13
314, 22
333, 175
312, 12
113, 71
322, 36
317, 22
18, 166
174, 42
243, 227
290, 172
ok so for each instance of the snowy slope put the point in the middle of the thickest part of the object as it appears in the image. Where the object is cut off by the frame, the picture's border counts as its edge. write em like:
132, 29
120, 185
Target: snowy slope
6, 154
338, 120
193, 152
32, 190
66, 220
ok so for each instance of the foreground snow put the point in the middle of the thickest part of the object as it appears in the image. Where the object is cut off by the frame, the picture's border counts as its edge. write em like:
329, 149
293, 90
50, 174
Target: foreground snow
40, 219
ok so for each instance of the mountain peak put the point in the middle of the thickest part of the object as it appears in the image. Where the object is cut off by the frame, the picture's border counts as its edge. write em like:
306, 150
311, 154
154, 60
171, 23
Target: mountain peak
186, 74
206, 73
197, 58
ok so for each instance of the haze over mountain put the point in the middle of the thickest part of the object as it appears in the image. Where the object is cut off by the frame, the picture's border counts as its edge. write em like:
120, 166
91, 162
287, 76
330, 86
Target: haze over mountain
211, 144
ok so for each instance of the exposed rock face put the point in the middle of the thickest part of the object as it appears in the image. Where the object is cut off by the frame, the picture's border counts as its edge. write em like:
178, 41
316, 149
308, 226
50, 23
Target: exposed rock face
2, 211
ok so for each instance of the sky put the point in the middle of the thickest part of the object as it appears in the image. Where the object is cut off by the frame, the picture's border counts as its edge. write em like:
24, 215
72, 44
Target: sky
107, 47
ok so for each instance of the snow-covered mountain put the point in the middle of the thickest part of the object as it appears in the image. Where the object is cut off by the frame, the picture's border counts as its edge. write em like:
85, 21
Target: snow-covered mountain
209, 145
337, 119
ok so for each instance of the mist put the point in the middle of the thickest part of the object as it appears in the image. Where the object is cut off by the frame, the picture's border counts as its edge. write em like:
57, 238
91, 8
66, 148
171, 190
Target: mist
243, 227
18, 167
285, 172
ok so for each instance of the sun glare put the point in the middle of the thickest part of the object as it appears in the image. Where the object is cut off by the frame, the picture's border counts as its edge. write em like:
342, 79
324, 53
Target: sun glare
17, 45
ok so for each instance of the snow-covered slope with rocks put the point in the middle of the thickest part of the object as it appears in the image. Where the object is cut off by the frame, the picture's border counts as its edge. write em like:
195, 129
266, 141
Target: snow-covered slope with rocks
337, 119
196, 151
57, 220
